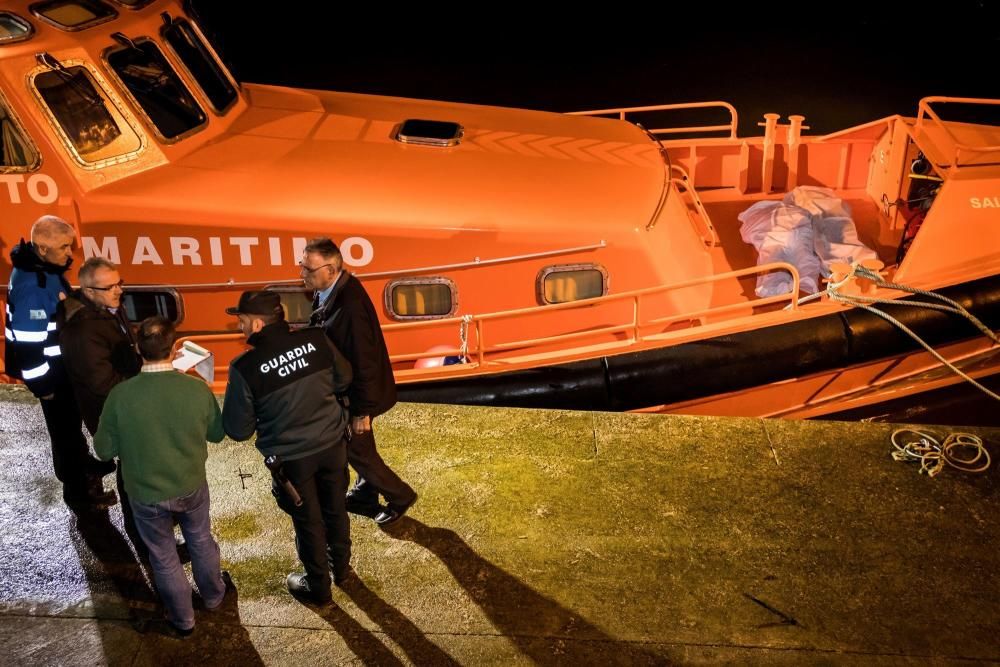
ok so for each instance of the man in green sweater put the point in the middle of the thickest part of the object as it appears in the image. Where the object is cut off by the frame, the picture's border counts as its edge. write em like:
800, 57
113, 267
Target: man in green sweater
157, 424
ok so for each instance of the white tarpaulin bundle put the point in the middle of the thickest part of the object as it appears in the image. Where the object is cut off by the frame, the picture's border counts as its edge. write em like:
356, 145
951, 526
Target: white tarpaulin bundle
809, 229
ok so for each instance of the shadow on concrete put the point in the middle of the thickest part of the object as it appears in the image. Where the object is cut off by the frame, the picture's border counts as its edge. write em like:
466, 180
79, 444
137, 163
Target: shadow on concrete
117, 578
419, 649
361, 642
113, 572
541, 628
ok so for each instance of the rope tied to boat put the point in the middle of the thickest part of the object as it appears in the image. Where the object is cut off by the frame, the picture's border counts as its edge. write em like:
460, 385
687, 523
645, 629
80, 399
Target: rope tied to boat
833, 291
463, 337
962, 451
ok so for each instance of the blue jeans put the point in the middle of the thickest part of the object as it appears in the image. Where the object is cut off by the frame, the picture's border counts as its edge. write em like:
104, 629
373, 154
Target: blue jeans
156, 526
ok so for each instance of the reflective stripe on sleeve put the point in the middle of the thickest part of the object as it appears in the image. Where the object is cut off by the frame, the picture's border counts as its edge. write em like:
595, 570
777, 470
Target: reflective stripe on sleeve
31, 336
52, 351
8, 333
36, 372
51, 327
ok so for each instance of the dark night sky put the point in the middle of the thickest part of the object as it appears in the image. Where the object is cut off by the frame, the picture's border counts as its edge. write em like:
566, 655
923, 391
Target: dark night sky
850, 65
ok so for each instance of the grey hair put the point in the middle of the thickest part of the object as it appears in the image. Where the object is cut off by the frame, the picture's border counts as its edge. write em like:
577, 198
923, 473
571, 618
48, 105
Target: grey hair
48, 228
90, 267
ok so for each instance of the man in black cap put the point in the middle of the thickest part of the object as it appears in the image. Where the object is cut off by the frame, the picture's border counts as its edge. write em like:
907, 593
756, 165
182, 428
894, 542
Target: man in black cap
286, 389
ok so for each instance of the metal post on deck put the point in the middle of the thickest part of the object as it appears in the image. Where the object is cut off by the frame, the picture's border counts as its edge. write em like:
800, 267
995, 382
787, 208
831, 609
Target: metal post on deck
795, 128
767, 166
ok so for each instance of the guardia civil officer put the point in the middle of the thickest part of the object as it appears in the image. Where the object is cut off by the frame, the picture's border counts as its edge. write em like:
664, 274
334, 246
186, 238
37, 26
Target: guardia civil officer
286, 389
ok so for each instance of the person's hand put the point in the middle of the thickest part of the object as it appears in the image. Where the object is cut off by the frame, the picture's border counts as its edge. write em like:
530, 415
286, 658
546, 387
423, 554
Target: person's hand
361, 425
62, 296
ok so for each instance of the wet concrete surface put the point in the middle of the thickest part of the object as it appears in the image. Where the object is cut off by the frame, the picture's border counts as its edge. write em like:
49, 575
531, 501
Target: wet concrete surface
551, 538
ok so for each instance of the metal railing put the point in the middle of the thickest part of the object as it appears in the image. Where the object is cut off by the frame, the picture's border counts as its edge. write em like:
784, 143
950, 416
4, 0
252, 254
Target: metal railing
925, 110
624, 111
479, 351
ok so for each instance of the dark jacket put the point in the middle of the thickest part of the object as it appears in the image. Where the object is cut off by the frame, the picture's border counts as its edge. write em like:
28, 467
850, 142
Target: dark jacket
286, 389
32, 341
98, 352
349, 319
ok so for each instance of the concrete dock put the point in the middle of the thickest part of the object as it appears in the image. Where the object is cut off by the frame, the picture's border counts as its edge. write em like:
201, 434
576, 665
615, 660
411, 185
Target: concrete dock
548, 538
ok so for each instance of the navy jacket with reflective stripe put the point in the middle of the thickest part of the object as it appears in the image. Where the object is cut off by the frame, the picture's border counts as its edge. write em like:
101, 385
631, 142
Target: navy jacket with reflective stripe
32, 342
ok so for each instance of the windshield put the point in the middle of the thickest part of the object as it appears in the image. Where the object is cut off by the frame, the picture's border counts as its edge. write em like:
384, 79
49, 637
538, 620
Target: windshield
199, 61
157, 89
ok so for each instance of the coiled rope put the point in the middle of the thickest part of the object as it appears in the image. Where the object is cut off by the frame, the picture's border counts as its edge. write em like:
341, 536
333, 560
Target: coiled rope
962, 451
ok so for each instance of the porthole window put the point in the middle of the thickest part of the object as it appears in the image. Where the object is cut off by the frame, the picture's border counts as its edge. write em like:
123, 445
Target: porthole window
92, 127
16, 152
421, 298
297, 303
142, 302
572, 282
13, 28
73, 15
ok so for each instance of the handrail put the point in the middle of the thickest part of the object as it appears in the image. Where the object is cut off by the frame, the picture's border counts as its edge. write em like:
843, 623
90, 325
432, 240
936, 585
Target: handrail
924, 109
636, 324
683, 184
481, 349
718, 104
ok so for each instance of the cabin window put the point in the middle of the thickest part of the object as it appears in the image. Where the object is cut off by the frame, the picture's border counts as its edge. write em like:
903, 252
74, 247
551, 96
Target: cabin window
156, 89
16, 151
297, 303
13, 28
93, 128
73, 15
142, 302
198, 59
421, 298
572, 282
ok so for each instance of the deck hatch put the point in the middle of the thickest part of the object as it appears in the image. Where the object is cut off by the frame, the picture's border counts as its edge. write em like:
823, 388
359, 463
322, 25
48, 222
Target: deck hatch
421, 298
73, 15
14, 29
430, 132
571, 282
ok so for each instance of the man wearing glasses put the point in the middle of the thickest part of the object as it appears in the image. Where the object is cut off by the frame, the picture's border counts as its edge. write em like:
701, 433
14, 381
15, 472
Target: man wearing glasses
345, 312
99, 351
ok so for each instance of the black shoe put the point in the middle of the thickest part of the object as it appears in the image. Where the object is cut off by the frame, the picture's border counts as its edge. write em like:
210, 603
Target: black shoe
298, 586
89, 499
393, 513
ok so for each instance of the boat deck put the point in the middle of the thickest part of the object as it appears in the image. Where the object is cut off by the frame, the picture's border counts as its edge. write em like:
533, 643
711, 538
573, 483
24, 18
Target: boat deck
733, 253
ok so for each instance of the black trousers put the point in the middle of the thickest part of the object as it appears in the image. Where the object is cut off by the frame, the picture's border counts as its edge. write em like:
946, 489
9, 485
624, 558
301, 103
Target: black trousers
70, 454
322, 529
374, 476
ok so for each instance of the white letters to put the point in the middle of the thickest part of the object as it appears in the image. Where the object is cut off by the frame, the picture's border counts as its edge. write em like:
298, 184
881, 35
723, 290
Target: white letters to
41, 188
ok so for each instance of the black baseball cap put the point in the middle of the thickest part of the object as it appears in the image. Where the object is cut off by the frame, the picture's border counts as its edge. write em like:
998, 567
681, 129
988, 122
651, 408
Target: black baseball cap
257, 303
